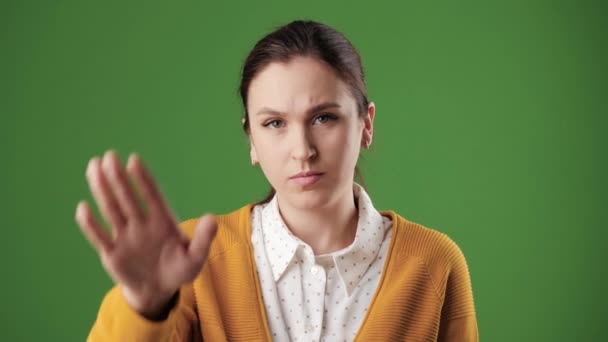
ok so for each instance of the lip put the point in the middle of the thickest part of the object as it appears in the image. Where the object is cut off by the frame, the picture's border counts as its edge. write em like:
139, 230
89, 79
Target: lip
306, 178
305, 174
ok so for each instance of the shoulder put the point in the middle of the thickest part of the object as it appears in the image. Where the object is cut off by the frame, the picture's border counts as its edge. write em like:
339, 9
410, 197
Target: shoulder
433, 247
441, 256
233, 229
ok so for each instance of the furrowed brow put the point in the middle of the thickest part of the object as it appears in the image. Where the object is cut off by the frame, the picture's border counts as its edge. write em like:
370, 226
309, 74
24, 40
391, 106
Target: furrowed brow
316, 108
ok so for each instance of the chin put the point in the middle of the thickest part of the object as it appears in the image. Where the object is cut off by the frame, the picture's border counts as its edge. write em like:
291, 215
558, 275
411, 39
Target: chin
314, 198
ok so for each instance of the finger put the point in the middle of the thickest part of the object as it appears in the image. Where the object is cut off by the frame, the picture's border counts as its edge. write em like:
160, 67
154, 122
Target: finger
120, 187
149, 189
204, 233
103, 195
92, 230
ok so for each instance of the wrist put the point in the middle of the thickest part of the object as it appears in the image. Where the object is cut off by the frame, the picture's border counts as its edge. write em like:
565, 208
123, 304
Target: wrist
155, 307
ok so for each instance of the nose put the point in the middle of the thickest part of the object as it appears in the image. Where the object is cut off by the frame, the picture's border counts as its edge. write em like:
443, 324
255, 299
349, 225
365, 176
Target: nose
302, 145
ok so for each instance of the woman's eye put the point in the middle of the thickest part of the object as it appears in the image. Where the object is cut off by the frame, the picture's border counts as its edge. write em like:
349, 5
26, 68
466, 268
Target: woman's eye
323, 118
273, 124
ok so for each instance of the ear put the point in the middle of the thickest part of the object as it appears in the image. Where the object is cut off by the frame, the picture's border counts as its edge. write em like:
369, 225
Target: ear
368, 125
252, 154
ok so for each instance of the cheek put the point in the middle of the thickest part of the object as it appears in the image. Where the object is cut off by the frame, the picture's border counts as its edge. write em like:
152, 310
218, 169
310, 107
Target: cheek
342, 145
270, 154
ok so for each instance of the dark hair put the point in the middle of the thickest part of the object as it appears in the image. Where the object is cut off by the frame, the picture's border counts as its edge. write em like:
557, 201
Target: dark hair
311, 39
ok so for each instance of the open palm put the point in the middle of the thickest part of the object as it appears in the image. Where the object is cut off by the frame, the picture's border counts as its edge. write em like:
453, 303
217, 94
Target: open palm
148, 254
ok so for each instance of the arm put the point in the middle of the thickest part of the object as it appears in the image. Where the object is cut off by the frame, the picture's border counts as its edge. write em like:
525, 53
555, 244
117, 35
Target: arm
117, 321
149, 255
459, 329
458, 318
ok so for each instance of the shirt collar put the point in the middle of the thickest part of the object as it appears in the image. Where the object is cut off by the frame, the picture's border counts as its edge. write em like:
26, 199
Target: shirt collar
280, 243
351, 262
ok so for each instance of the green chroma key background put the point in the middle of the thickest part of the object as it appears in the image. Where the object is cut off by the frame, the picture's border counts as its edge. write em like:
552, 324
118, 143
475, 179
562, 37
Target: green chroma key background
491, 127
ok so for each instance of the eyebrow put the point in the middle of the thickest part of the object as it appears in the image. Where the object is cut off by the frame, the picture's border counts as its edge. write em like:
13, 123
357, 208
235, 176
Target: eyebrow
316, 108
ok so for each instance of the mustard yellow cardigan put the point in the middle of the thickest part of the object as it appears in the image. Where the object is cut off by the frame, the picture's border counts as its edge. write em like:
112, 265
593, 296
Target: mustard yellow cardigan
424, 293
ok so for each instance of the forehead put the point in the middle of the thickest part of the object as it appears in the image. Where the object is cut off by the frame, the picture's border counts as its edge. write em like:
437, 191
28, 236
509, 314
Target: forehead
295, 86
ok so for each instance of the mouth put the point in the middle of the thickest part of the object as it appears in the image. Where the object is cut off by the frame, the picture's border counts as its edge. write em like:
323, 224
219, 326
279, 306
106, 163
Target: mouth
306, 178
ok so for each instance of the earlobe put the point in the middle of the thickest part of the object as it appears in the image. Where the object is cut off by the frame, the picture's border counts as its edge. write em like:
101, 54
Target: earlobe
253, 156
366, 141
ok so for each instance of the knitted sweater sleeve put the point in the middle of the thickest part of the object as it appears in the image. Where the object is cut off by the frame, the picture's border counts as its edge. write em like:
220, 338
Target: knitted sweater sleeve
117, 321
458, 319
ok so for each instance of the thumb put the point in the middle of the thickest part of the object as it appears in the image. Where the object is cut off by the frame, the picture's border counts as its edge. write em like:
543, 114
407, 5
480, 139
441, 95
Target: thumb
204, 233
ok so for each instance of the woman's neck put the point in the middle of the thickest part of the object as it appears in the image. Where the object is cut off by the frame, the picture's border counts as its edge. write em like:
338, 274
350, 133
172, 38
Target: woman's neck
327, 229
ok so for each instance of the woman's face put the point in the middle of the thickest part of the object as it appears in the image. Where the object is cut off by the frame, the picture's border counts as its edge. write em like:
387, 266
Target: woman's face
304, 119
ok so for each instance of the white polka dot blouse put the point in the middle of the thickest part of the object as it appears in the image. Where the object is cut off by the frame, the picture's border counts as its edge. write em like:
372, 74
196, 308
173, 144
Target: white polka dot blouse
318, 297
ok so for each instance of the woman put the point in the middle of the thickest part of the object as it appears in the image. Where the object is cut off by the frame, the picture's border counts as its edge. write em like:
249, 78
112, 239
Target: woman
314, 260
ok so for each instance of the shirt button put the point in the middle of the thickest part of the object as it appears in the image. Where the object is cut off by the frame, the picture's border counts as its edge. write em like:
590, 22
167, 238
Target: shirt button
314, 270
